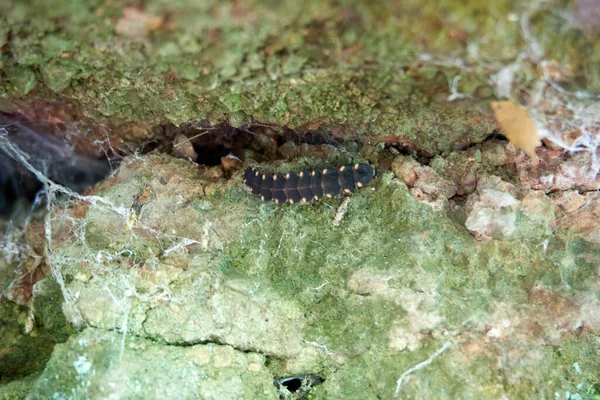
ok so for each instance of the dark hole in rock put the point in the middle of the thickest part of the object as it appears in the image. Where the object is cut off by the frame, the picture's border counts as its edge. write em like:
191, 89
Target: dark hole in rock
298, 385
48, 154
207, 144
292, 384
496, 135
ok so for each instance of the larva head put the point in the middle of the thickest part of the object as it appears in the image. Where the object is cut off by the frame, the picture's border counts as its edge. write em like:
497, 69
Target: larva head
363, 174
249, 175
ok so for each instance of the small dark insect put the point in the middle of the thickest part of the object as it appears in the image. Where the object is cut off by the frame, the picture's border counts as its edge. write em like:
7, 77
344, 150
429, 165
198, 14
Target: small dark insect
308, 185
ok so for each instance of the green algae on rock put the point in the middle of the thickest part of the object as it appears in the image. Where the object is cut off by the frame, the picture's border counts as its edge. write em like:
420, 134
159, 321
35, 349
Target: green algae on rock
200, 275
364, 66
97, 363
397, 281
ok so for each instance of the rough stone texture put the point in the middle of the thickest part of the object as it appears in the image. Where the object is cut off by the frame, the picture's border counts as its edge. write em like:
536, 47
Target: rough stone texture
355, 309
365, 69
100, 364
559, 172
167, 260
264, 323
494, 211
425, 183
579, 214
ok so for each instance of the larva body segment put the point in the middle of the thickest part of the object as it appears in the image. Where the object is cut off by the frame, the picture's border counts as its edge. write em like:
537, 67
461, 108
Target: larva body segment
266, 188
279, 195
308, 185
330, 182
304, 186
347, 180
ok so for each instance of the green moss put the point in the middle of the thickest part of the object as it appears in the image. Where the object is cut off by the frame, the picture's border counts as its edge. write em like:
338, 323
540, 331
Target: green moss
21, 353
295, 249
55, 45
17, 389
47, 309
26, 353
562, 40
443, 378
57, 76
573, 263
23, 79
356, 67
282, 65
440, 285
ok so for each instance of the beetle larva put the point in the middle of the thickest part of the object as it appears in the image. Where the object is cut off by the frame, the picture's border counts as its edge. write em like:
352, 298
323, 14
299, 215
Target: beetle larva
308, 185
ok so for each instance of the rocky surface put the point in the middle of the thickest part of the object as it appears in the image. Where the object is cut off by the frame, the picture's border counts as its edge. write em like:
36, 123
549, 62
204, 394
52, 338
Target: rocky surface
356, 305
101, 364
364, 70
461, 271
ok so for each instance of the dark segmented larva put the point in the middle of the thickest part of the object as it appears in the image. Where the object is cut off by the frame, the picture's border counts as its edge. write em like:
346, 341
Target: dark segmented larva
308, 185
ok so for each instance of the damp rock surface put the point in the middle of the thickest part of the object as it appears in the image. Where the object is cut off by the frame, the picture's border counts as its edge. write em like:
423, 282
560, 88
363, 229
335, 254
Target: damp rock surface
356, 305
364, 70
461, 271
99, 364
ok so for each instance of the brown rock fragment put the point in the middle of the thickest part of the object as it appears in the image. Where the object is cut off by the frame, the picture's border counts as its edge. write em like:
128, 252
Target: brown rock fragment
424, 182
183, 148
288, 150
213, 173
231, 163
405, 169
579, 214
137, 24
321, 151
558, 171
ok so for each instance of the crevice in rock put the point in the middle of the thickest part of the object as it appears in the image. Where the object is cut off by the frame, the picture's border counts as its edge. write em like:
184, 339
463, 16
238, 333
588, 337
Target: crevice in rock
494, 135
211, 340
207, 144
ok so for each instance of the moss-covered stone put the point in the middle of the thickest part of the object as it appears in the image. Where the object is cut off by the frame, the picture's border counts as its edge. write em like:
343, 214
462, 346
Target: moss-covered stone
95, 364
29, 335
356, 304
21, 353
175, 275
47, 309
288, 64
18, 389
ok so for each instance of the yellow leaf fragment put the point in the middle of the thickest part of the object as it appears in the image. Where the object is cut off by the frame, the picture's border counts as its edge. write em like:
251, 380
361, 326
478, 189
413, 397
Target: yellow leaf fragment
518, 126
